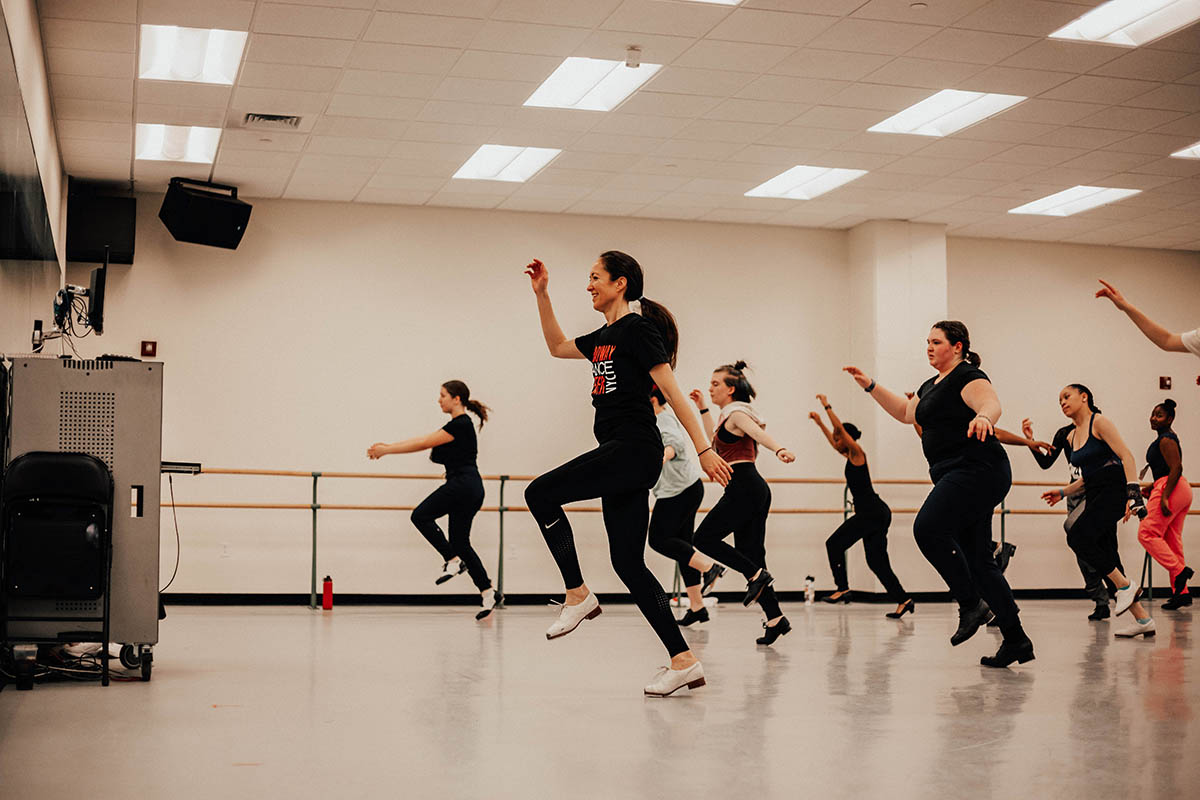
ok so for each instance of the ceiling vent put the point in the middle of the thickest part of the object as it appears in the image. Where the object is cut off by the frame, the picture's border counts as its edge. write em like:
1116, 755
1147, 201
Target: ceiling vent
271, 122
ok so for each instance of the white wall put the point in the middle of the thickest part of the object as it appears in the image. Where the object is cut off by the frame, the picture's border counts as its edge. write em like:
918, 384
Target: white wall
332, 326
27, 291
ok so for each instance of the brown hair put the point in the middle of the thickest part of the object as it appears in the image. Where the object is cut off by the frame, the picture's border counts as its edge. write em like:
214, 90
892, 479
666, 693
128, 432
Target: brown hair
459, 389
735, 377
623, 265
957, 333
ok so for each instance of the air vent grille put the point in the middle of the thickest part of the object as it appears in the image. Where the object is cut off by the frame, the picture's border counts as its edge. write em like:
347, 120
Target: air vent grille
271, 122
86, 423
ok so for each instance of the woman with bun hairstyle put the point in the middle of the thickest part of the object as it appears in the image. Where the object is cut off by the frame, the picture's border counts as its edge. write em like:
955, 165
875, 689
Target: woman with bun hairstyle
1108, 481
1161, 532
743, 508
455, 447
957, 410
869, 522
631, 352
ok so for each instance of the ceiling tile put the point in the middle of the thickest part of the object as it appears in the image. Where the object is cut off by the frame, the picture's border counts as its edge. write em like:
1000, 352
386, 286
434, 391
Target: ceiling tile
724, 131
1095, 89
328, 186
297, 50
360, 105
640, 125
180, 115
1149, 65
479, 9
92, 110
511, 66
733, 55
805, 138
479, 90
941, 13
464, 113
878, 97
998, 171
853, 119
869, 36
556, 176
1027, 17
258, 75
1050, 112
1063, 56
167, 93
278, 101
408, 149
87, 149
783, 88
410, 183
652, 16
403, 169
1152, 144
894, 143
562, 119
609, 143
388, 84
406, 58
273, 160
456, 200
1007, 80
422, 29
361, 126
231, 15
403, 197
100, 168
975, 47
770, 27
919, 165
1186, 40
1123, 118
1173, 96
573, 13
951, 147
685, 148
86, 35
115, 90
1184, 126
448, 133
95, 10
62, 61
254, 181
923, 73
1042, 155
96, 131
263, 140
321, 162
829, 64
650, 183
739, 110
1173, 167
327, 23
1001, 130
709, 82
668, 105
1089, 138
533, 137
595, 162
521, 37
656, 49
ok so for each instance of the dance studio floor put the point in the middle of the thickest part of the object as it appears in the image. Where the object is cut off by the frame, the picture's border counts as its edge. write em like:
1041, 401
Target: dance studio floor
402, 702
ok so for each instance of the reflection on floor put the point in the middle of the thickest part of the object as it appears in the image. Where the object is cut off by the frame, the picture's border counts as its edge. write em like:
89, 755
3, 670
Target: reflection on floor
425, 702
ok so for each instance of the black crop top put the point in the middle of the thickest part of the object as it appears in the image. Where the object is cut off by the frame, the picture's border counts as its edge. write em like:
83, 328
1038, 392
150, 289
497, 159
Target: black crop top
1154, 456
944, 417
461, 452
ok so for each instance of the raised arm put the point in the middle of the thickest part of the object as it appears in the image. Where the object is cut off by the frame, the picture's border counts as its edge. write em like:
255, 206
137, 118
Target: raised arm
1156, 333
558, 343
1044, 460
713, 465
740, 421
1013, 440
903, 409
856, 454
413, 445
815, 417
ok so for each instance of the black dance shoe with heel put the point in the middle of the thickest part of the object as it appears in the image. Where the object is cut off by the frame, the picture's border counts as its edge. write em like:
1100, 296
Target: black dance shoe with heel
451, 570
909, 607
1100, 613
755, 587
710, 579
1177, 602
969, 620
844, 597
692, 617
773, 632
1180, 582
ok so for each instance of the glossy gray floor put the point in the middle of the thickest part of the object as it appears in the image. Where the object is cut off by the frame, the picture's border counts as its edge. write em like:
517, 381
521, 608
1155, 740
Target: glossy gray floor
424, 702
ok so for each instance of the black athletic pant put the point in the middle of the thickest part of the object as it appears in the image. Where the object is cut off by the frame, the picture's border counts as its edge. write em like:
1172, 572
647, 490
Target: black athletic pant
1093, 537
871, 525
671, 529
461, 496
1095, 585
620, 474
742, 511
953, 529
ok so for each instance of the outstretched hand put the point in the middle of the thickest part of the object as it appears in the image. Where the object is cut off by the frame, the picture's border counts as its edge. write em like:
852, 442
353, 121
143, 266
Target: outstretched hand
980, 428
815, 416
1027, 428
696, 397
1045, 448
376, 451
1112, 293
859, 376
539, 276
1052, 497
715, 467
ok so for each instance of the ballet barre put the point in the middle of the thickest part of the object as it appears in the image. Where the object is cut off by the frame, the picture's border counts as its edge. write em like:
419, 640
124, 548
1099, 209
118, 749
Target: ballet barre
501, 508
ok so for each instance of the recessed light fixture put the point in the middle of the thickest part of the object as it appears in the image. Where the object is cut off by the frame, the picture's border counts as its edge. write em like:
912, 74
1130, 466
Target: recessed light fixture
185, 143
947, 111
498, 162
1130, 23
1188, 152
1074, 200
805, 183
590, 84
194, 55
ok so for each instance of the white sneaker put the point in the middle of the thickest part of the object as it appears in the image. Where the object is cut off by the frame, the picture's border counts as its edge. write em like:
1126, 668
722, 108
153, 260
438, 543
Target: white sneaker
569, 617
668, 680
1125, 598
1136, 628
488, 598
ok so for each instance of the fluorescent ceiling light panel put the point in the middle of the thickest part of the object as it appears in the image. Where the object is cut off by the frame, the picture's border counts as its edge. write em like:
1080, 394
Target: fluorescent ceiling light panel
194, 55
805, 183
590, 84
498, 162
1130, 23
1188, 152
184, 143
947, 111
1073, 200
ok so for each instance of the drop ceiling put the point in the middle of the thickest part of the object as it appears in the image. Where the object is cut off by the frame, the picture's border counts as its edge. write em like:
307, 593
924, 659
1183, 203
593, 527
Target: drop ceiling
395, 95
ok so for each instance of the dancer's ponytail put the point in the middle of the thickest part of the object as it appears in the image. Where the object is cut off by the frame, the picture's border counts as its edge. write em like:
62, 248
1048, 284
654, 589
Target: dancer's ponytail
459, 389
623, 265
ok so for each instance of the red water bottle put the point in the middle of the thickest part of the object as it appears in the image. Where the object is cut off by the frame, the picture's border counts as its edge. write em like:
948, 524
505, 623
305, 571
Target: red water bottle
327, 594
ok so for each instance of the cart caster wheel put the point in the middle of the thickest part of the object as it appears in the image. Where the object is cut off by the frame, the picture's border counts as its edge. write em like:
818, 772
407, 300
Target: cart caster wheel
130, 659
147, 659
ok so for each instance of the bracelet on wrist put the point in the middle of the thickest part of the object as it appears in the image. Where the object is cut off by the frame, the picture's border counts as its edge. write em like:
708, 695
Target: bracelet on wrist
704, 411
780, 450
871, 388
827, 408
702, 452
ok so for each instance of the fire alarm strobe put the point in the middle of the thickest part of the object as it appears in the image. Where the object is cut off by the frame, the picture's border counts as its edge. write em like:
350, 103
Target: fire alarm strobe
1164, 382
149, 349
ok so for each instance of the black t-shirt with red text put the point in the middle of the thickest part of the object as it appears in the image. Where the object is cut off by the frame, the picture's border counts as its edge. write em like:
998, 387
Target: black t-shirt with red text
622, 355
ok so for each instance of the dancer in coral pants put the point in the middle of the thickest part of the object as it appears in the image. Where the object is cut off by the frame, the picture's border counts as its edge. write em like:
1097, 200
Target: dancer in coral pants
1161, 532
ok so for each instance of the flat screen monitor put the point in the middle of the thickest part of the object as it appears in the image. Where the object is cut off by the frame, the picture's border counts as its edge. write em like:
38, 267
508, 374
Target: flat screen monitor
96, 300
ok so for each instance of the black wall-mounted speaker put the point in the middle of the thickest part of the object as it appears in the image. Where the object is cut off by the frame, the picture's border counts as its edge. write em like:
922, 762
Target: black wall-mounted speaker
96, 221
200, 212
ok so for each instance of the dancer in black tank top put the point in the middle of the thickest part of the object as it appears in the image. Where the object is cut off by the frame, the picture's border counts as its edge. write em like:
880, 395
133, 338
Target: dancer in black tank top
1108, 480
869, 522
461, 496
630, 353
957, 411
1170, 498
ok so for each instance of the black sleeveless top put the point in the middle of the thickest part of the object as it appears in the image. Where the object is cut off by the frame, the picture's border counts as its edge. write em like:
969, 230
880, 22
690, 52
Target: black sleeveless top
1095, 458
1154, 456
858, 481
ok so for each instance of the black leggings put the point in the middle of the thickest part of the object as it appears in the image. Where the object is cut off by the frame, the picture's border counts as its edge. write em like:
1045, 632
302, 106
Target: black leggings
1093, 537
671, 528
953, 529
620, 474
742, 511
871, 525
461, 496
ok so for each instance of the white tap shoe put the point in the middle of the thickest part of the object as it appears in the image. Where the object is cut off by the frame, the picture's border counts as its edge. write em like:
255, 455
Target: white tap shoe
668, 681
1136, 628
569, 617
1125, 598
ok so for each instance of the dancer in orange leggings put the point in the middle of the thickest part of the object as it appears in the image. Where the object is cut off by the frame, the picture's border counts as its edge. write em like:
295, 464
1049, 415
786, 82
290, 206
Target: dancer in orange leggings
1161, 532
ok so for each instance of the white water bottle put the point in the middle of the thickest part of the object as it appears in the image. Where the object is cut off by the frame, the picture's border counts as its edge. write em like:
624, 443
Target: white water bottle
808, 590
